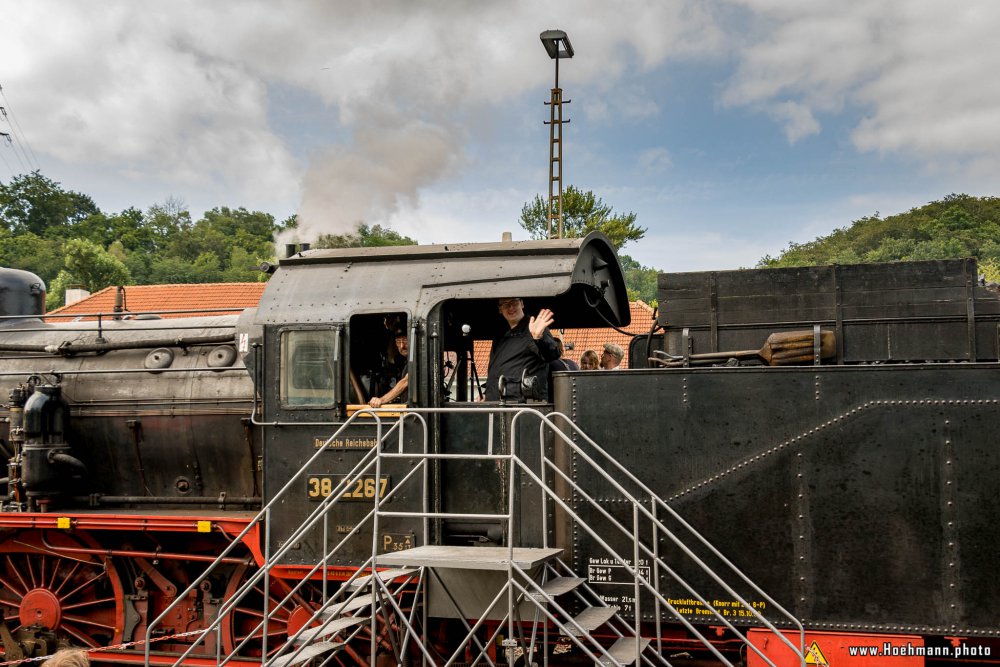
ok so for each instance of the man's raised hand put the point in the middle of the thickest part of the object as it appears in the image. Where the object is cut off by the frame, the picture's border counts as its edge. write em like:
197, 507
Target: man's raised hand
538, 324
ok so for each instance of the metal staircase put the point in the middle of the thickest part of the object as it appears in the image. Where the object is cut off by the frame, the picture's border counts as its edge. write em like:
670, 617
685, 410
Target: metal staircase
510, 600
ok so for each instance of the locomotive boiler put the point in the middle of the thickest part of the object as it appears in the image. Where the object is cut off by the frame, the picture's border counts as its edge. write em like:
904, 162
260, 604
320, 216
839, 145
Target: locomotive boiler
794, 456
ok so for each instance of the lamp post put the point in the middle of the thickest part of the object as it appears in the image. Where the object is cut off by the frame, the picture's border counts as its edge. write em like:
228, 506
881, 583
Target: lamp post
557, 45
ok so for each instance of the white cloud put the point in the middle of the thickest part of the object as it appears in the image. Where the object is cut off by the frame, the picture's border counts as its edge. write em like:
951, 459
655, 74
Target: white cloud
655, 159
797, 118
120, 93
920, 72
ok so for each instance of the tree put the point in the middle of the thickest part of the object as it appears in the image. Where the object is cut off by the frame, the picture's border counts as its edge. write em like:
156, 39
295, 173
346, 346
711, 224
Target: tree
221, 236
955, 227
94, 266
31, 252
365, 237
167, 220
165, 270
243, 267
640, 281
36, 204
88, 265
583, 212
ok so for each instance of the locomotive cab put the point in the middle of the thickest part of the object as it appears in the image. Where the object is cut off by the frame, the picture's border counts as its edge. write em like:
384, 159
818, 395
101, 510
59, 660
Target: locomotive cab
326, 325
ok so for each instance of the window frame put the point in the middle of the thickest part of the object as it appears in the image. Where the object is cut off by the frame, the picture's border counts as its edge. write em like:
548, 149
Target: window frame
334, 335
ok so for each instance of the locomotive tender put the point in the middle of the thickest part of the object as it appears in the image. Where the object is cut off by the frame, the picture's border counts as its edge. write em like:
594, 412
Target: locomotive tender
856, 488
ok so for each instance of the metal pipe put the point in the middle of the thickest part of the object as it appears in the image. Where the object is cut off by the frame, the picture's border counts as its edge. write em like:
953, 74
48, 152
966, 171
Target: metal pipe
142, 554
67, 348
98, 499
67, 460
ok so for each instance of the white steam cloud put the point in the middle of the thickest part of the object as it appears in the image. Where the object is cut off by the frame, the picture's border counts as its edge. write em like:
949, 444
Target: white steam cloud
371, 178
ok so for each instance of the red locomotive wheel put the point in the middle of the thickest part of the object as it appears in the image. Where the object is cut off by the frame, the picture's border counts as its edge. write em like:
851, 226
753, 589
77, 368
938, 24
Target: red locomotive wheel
242, 631
42, 589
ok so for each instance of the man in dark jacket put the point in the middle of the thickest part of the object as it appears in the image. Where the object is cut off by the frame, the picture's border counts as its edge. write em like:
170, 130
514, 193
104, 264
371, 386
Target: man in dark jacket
526, 347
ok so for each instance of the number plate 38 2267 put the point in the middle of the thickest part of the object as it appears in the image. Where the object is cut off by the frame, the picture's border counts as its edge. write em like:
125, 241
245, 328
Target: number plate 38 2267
365, 487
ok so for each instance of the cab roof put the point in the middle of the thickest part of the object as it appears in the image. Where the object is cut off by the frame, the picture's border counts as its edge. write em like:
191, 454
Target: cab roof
580, 279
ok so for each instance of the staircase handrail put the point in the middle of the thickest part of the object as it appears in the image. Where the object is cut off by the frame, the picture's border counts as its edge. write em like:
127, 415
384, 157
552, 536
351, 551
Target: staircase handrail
320, 512
263, 514
639, 507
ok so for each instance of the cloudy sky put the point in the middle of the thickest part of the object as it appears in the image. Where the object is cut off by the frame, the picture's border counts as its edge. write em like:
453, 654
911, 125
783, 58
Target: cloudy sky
731, 127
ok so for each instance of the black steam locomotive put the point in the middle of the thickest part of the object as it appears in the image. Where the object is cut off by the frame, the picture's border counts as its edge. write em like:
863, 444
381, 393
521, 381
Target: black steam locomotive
824, 433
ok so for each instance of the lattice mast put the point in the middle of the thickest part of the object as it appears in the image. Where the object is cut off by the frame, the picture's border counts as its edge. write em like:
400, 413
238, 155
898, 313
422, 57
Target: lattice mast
552, 40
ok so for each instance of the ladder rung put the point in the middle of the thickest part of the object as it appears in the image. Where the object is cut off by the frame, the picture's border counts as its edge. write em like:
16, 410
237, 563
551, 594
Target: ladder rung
558, 586
590, 619
308, 653
338, 608
384, 575
330, 629
622, 652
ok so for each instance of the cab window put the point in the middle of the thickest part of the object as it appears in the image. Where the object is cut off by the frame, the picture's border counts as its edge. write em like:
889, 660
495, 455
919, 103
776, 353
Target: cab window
377, 363
307, 368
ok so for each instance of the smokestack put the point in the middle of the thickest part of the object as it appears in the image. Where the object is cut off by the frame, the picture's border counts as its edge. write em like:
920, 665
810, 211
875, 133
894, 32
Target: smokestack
293, 248
119, 301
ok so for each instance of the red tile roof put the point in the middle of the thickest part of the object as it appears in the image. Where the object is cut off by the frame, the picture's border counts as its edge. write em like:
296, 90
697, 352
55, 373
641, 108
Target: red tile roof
588, 339
231, 297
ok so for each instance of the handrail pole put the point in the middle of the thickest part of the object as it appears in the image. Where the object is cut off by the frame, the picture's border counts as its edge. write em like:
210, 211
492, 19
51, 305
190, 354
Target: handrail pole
656, 582
511, 471
267, 584
637, 616
375, 525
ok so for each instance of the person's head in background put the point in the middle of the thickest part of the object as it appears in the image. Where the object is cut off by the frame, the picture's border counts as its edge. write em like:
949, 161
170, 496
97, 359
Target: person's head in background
612, 356
589, 361
68, 658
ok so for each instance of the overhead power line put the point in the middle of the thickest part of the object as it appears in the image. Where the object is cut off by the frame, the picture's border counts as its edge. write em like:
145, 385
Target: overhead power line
7, 143
4, 139
19, 138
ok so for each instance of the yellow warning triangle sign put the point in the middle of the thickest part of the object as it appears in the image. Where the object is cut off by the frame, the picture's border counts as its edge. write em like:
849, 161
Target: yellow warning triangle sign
814, 656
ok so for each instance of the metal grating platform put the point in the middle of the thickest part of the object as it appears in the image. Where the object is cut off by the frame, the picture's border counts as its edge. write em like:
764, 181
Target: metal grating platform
468, 558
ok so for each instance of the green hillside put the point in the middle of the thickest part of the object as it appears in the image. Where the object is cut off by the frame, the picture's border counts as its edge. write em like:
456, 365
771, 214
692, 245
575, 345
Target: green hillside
955, 227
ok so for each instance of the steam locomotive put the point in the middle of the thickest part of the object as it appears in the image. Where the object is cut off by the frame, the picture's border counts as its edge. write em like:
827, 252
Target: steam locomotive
203, 489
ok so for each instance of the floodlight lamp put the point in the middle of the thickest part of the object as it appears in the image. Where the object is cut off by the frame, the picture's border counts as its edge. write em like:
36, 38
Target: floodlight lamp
551, 39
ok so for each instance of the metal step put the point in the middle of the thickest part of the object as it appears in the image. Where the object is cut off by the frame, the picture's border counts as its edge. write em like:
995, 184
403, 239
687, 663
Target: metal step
469, 558
330, 629
307, 653
338, 608
558, 586
590, 619
622, 652
384, 575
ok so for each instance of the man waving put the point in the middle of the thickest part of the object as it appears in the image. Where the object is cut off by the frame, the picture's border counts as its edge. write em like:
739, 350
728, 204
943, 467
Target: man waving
526, 347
